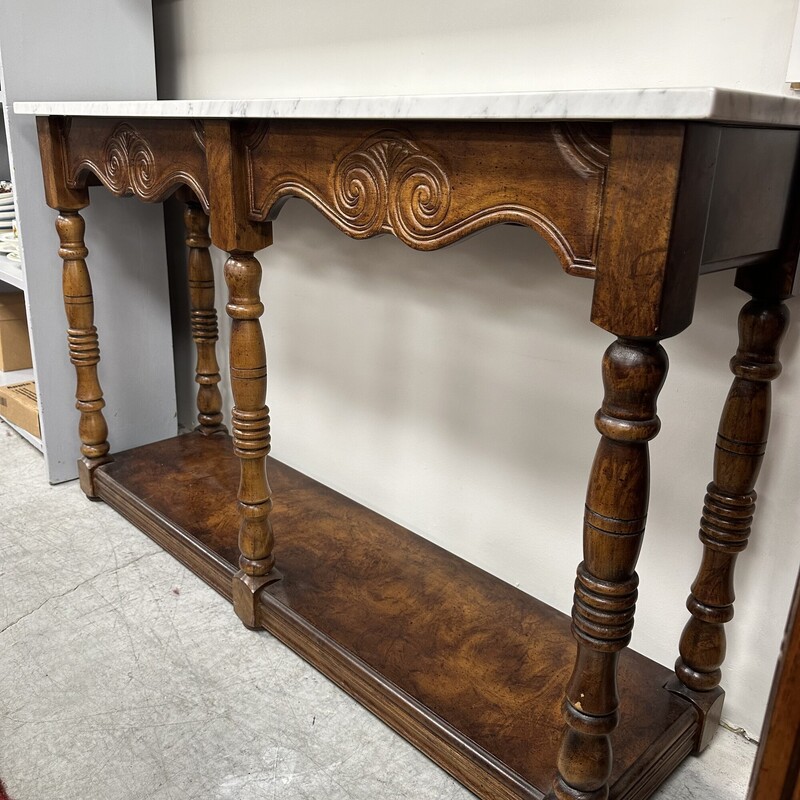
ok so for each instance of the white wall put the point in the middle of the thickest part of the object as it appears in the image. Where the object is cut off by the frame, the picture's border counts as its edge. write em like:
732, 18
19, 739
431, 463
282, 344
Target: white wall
257, 48
454, 391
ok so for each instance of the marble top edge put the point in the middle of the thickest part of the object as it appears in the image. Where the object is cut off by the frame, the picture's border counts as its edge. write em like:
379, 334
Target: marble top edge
701, 103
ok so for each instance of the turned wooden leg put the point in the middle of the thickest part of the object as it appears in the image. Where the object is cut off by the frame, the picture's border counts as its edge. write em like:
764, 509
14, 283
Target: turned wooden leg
204, 320
251, 436
84, 351
606, 586
728, 508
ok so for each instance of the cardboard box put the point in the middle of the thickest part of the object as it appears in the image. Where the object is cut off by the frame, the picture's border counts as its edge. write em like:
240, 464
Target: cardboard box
15, 347
18, 405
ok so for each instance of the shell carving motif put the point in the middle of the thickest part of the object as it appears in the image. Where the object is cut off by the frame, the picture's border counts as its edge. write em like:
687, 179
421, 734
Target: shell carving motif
389, 184
129, 162
580, 149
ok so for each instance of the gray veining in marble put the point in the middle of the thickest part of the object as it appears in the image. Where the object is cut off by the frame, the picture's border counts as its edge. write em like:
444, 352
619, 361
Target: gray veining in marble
711, 104
124, 677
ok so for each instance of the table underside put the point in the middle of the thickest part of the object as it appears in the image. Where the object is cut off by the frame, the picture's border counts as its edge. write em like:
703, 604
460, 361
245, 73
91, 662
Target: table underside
469, 669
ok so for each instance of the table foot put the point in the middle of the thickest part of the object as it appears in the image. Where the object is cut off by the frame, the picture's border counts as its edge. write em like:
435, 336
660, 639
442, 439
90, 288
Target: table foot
709, 706
245, 590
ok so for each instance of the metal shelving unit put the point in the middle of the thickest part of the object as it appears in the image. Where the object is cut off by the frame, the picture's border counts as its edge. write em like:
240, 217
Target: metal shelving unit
11, 272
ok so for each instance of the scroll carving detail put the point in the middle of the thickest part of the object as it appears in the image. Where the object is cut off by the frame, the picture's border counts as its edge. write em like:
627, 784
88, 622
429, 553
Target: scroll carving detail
129, 162
431, 184
132, 161
580, 149
389, 185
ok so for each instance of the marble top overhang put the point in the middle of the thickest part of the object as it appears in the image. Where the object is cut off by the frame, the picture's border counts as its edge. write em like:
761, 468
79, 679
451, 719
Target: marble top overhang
700, 104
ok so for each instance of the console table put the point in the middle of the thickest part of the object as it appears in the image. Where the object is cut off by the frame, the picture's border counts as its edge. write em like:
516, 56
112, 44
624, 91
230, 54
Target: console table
640, 191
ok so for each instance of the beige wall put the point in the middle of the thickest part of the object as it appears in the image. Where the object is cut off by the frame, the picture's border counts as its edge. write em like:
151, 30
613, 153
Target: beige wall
454, 391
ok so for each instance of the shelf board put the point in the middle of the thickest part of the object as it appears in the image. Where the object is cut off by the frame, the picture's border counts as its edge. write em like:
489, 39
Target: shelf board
34, 440
469, 669
8, 379
11, 272
17, 376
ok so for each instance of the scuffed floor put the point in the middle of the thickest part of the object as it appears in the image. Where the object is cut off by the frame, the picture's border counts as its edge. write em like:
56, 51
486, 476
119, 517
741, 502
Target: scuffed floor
123, 676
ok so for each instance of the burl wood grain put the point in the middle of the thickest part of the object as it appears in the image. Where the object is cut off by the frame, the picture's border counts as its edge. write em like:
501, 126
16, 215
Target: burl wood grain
457, 660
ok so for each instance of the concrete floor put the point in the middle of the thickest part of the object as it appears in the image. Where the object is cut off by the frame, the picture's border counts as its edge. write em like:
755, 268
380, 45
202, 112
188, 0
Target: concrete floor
123, 676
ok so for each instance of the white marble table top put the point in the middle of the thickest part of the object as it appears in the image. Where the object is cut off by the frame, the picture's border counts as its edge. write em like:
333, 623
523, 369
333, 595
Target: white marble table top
714, 105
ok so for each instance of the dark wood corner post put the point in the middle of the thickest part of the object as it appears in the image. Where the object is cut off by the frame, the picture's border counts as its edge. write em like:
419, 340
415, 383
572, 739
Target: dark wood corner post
205, 330
730, 501
634, 272
240, 237
84, 351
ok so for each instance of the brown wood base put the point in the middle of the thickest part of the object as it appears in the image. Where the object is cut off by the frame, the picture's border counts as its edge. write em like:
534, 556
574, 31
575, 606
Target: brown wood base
467, 668
709, 708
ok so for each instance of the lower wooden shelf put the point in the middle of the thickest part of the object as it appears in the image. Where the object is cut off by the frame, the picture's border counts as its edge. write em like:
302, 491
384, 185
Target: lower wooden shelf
466, 667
